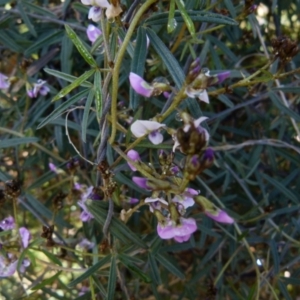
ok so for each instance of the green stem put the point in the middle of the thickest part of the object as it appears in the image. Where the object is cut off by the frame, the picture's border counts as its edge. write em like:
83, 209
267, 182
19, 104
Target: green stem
117, 66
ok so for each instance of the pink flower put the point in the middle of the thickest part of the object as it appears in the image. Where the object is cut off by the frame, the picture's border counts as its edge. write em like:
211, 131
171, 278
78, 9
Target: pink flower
220, 216
38, 88
140, 85
140, 128
7, 223
180, 232
155, 203
25, 263
93, 33
25, 236
134, 156
52, 167
7, 270
186, 198
94, 13
141, 182
85, 214
4, 83
222, 76
85, 243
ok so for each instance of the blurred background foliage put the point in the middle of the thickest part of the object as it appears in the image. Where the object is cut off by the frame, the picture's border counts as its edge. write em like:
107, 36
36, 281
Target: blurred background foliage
254, 128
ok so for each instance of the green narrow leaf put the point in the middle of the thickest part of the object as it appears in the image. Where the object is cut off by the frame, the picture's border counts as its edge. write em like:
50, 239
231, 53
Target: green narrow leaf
62, 108
52, 257
90, 271
86, 112
280, 187
274, 251
187, 19
138, 63
17, 141
67, 77
287, 89
172, 23
112, 279
196, 16
39, 9
26, 19
80, 46
6, 40
47, 281
130, 266
98, 94
170, 265
167, 57
66, 55
282, 108
73, 85
116, 227
130, 48
154, 268
284, 290
52, 38
45, 212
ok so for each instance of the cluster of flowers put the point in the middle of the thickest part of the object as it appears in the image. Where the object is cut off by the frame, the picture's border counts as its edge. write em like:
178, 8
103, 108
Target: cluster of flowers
38, 88
170, 195
112, 10
8, 264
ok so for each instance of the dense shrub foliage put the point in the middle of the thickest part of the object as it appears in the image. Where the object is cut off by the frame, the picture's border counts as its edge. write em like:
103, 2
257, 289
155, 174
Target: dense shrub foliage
149, 149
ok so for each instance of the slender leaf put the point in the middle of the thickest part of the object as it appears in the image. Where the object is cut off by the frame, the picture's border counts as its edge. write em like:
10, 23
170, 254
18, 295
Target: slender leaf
73, 85
86, 112
167, 57
138, 63
282, 108
67, 77
80, 46
52, 38
112, 279
62, 108
117, 228
196, 16
170, 265
90, 271
17, 141
26, 19
154, 268
47, 281
187, 19
98, 94
280, 187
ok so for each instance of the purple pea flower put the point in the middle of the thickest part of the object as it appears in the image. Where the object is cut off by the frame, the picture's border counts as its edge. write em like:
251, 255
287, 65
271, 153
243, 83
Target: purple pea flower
85, 243
220, 216
25, 236
155, 203
134, 156
141, 182
222, 76
7, 223
140, 128
93, 33
180, 232
25, 264
85, 214
141, 86
186, 198
38, 88
7, 270
4, 83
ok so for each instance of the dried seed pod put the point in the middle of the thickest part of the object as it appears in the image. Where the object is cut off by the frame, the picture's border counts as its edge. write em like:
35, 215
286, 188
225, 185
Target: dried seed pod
12, 189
